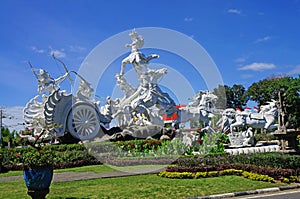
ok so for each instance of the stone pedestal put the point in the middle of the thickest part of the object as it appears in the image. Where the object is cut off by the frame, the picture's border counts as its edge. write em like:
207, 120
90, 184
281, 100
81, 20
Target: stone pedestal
287, 139
38, 194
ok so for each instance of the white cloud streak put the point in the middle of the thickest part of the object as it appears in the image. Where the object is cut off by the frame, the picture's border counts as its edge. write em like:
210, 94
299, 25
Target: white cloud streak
295, 71
188, 19
240, 60
234, 11
76, 48
58, 53
36, 50
258, 66
264, 39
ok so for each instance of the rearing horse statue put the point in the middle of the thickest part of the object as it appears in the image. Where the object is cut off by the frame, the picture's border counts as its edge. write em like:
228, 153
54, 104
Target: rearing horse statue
264, 119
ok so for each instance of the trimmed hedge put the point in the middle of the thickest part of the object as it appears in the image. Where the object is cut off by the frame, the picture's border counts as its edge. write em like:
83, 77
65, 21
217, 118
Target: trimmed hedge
273, 160
245, 174
73, 155
64, 156
272, 172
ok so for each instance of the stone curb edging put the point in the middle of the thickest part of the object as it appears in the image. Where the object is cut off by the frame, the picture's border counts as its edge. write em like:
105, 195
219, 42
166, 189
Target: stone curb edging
251, 192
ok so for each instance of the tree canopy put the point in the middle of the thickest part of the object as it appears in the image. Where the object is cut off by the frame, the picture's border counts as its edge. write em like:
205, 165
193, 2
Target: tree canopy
286, 88
235, 96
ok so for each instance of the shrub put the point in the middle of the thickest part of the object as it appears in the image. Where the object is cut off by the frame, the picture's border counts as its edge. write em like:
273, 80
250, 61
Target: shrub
197, 175
257, 177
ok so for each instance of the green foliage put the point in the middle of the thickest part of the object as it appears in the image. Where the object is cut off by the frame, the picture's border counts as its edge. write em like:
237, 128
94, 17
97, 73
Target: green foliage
212, 143
289, 87
37, 158
235, 96
46, 155
257, 177
11, 137
197, 175
265, 160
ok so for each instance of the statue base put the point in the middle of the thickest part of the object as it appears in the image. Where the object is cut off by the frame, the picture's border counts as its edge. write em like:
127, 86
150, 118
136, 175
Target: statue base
38, 194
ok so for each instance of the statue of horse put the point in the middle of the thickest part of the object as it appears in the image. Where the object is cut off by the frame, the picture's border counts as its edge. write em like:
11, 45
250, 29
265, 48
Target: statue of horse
200, 108
264, 119
228, 117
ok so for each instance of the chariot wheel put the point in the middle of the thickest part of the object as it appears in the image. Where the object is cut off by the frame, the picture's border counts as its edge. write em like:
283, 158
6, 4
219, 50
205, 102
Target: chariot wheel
83, 122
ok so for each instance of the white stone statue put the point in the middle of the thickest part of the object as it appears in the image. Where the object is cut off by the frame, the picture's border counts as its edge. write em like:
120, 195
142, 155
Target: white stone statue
264, 119
85, 90
138, 60
46, 82
200, 108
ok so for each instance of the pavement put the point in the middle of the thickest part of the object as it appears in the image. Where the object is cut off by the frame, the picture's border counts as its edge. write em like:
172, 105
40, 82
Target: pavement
251, 192
72, 176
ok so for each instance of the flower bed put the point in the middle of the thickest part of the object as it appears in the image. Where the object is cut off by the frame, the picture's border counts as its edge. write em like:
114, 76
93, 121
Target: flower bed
245, 174
274, 160
277, 174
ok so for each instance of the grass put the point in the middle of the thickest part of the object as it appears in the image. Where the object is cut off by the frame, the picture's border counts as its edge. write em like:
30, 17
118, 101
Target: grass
93, 168
141, 186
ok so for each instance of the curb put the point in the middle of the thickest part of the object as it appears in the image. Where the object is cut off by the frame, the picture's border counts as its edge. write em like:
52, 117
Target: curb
251, 192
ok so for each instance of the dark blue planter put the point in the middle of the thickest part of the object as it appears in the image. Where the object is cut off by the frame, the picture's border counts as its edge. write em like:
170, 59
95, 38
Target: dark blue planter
38, 178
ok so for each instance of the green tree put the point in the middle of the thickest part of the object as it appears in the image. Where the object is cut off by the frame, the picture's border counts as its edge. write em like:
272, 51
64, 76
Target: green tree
235, 96
286, 88
220, 92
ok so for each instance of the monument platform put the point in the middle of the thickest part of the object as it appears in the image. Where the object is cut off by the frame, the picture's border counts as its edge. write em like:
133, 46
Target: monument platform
250, 150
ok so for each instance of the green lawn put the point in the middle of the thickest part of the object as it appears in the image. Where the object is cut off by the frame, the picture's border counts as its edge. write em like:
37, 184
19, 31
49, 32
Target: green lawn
141, 186
93, 168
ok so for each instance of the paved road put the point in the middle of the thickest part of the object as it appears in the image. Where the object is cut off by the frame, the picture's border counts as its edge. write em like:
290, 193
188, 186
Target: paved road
291, 194
71, 176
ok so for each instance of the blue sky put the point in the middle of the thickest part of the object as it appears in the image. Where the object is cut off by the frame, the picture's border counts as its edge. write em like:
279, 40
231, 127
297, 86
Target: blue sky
248, 40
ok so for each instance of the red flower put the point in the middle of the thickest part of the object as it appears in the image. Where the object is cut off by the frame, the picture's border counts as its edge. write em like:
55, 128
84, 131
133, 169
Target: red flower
151, 143
155, 148
199, 141
132, 146
17, 155
157, 142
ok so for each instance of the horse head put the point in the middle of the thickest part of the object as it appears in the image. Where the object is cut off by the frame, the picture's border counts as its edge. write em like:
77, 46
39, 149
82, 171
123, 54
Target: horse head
269, 108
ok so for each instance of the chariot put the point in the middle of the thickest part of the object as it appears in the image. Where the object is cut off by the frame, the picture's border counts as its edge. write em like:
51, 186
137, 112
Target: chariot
67, 116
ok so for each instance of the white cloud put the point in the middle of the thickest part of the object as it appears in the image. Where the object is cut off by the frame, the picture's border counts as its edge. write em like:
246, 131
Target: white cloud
234, 11
13, 118
258, 66
240, 60
36, 50
295, 71
76, 48
264, 39
188, 19
58, 53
